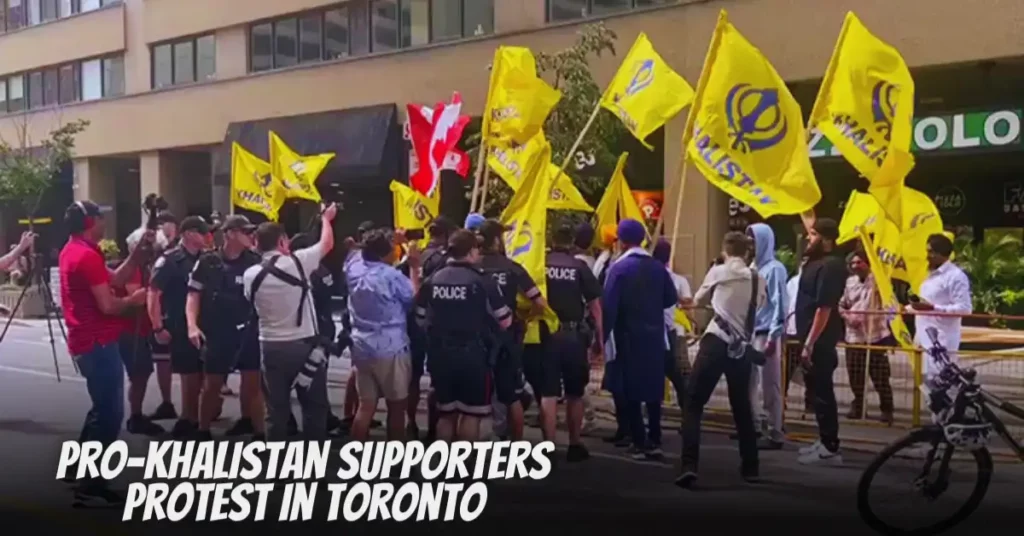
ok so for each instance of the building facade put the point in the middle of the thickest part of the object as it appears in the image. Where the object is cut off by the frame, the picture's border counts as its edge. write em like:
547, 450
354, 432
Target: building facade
166, 85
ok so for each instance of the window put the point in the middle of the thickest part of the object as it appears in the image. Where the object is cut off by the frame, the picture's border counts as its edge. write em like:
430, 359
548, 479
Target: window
359, 28
336, 34
261, 48
561, 10
35, 90
415, 22
89, 5
51, 91
92, 80
310, 38
286, 43
206, 58
478, 18
67, 8
184, 62
70, 83
16, 14
384, 25
113, 76
34, 12
446, 20
49, 9
16, 93
3, 95
163, 66
362, 26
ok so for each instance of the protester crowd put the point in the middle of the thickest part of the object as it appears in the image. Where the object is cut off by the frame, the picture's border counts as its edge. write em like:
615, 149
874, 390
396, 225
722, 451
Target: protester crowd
458, 310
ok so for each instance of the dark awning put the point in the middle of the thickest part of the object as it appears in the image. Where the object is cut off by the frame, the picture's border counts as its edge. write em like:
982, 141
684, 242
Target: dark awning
367, 143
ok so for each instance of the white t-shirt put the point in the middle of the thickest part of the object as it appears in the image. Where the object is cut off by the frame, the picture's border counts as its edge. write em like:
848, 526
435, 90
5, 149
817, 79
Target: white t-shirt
683, 290
277, 302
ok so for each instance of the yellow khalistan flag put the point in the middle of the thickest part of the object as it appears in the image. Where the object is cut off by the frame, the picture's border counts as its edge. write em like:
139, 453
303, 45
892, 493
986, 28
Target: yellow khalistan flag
617, 202
903, 253
253, 187
525, 219
883, 281
510, 162
745, 131
865, 107
412, 209
646, 92
298, 173
518, 101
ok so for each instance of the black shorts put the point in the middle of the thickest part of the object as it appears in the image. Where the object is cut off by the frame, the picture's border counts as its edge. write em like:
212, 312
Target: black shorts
560, 360
185, 357
136, 355
461, 379
508, 371
226, 355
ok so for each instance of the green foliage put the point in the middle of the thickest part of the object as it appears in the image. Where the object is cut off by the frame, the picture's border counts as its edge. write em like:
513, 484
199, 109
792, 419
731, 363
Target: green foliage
27, 169
788, 258
568, 71
995, 267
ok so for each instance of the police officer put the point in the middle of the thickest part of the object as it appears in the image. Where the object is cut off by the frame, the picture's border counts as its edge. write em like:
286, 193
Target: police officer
435, 255
512, 279
459, 306
166, 305
220, 324
167, 238
432, 258
561, 358
321, 288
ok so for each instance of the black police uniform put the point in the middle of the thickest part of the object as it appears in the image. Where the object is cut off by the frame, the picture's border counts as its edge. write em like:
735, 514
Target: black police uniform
561, 358
460, 306
170, 276
432, 259
226, 316
512, 279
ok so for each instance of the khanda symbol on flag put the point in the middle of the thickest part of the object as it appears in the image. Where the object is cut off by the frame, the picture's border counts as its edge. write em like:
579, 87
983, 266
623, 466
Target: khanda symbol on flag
518, 239
755, 119
644, 77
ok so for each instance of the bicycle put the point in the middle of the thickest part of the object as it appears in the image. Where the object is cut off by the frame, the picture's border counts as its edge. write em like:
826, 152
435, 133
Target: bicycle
962, 420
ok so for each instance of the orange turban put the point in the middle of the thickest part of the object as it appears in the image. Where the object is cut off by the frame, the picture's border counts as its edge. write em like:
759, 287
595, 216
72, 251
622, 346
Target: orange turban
609, 234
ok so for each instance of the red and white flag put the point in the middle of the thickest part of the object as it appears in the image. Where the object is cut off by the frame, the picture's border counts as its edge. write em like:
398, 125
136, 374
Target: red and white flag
434, 133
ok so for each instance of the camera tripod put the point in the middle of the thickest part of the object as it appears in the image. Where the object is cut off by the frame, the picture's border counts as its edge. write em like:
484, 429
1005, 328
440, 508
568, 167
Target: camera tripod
37, 278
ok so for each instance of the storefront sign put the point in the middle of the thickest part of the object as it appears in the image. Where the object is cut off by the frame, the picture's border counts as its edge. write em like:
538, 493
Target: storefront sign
950, 201
974, 130
650, 203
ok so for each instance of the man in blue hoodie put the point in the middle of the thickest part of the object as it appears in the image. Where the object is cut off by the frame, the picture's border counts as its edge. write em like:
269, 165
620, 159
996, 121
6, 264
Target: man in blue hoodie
769, 328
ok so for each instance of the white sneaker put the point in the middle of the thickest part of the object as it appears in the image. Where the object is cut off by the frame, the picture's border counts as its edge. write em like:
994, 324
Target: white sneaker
821, 456
810, 448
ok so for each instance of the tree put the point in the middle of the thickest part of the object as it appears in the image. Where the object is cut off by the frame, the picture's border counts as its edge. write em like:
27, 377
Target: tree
27, 168
568, 71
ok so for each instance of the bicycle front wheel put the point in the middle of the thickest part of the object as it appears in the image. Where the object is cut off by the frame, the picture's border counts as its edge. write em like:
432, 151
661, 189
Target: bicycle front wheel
922, 482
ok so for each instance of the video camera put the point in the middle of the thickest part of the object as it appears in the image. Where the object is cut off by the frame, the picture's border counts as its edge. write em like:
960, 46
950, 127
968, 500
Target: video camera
153, 204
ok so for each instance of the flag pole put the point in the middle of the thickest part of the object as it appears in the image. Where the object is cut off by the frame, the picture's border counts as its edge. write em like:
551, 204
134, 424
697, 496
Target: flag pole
481, 157
483, 189
575, 145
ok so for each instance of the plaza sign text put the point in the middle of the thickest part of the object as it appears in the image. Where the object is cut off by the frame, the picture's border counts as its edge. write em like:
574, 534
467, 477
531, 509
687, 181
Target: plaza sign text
974, 130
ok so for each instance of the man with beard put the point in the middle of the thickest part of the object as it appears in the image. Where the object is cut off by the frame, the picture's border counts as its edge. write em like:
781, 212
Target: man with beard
820, 328
945, 290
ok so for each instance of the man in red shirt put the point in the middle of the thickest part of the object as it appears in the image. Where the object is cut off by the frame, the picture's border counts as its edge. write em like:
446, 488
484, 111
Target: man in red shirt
92, 315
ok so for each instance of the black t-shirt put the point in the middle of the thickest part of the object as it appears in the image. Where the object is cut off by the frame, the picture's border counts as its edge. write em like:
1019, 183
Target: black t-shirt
432, 259
571, 285
511, 278
170, 276
219, 281
822, 284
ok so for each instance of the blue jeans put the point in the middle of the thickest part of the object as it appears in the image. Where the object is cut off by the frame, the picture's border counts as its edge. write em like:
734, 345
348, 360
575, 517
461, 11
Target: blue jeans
104, 378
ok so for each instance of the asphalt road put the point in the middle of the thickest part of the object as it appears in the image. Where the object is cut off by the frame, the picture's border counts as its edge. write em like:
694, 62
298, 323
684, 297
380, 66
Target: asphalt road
608, 491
